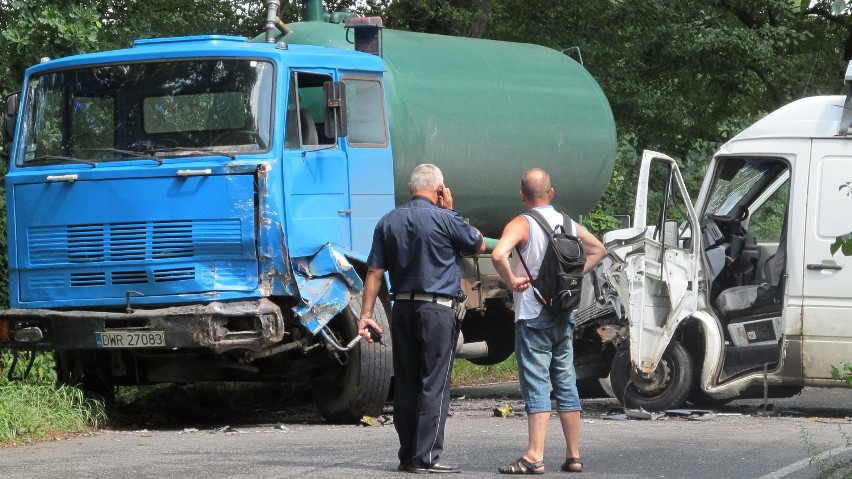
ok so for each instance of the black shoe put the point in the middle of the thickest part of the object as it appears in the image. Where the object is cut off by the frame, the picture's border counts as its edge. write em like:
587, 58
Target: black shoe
435, 469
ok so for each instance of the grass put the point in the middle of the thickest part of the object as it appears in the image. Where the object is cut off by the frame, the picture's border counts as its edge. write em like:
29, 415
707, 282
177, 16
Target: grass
35, 409
467, 373
30, 412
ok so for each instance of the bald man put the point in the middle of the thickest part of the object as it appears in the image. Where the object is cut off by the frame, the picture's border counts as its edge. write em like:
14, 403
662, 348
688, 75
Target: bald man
543, 339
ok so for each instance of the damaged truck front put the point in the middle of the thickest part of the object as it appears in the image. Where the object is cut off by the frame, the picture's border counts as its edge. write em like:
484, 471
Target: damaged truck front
746, 294
201, 208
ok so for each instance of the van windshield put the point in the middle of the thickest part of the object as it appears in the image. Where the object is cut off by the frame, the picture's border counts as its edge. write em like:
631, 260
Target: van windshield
736, 181
147, 110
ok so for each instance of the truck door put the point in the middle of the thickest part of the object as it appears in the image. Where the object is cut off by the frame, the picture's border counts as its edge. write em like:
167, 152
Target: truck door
369, 155
315, 169
827, 297
660, 281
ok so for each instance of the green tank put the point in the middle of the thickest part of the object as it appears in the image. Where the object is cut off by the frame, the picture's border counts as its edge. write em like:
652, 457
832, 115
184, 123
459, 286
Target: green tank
485, 111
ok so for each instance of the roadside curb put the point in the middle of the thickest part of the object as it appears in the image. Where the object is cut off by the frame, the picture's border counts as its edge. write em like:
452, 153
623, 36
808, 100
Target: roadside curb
508, 390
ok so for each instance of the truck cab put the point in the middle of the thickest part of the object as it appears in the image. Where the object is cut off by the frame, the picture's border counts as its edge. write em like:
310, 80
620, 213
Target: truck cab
745, 293
204, 197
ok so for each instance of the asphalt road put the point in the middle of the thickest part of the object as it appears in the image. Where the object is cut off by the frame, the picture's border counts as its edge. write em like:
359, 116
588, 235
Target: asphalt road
292, 441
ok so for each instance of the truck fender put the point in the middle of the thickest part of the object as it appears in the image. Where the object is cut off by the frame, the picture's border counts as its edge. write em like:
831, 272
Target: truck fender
326, 282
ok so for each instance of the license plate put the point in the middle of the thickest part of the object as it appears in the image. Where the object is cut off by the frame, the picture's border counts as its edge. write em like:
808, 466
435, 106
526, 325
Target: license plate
128, 339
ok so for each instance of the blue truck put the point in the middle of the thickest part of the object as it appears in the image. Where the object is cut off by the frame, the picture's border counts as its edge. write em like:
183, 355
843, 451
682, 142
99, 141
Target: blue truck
201, 208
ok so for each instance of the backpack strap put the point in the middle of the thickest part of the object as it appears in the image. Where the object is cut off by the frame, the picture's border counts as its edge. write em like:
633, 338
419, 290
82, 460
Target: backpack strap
542, 222
567, 223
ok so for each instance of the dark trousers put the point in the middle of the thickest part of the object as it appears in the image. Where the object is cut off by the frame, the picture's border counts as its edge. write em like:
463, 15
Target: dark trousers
424, 338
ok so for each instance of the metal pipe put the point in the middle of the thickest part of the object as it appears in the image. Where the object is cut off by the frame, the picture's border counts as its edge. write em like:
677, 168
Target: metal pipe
272, 20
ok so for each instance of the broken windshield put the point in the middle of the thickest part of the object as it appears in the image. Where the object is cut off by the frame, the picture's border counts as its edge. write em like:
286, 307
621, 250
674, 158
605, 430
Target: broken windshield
140, 110
735, 179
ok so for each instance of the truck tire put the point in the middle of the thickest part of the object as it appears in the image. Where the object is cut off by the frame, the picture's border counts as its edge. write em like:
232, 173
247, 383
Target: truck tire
85, 371
360, 387
667, 388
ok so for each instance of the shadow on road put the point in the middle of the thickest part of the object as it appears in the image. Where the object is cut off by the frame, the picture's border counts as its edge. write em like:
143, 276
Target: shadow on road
211, 405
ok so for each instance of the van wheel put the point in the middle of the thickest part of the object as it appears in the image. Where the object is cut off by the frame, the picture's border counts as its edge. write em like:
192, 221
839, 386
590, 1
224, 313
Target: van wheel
666, 388
358, 388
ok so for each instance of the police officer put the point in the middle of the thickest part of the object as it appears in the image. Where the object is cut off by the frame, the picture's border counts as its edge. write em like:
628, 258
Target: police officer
419, 245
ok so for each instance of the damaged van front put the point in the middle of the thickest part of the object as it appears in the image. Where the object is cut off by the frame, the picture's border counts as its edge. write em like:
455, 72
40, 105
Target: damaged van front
741, 294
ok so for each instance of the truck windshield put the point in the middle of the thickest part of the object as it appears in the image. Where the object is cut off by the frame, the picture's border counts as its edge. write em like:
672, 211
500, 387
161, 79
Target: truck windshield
152, 110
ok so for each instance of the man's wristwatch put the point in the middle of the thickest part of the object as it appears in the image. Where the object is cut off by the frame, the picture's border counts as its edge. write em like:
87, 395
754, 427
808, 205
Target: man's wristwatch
367, 316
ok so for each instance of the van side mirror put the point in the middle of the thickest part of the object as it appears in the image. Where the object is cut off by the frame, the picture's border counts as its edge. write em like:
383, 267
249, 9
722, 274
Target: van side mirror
334, 96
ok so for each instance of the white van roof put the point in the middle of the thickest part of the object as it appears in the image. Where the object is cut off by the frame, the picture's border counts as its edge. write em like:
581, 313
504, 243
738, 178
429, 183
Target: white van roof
813, 117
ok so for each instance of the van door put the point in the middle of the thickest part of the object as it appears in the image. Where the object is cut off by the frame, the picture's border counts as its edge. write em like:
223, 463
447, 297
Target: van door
827, 296
662, 270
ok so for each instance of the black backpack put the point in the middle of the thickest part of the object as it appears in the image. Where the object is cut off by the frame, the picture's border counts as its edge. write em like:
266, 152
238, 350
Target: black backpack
560, 278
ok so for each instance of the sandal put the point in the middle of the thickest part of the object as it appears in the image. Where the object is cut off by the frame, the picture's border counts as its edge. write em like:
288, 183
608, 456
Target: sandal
523, 466
572, 464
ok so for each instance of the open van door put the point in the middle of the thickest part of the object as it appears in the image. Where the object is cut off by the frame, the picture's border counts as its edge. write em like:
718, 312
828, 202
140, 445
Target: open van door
658, 284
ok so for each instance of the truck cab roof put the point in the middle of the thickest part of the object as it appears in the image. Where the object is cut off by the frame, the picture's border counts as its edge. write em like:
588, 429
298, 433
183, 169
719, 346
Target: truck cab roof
206, 46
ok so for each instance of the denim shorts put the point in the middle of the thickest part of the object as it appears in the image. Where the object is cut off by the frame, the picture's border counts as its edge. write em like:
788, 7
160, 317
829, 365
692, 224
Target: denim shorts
544, 347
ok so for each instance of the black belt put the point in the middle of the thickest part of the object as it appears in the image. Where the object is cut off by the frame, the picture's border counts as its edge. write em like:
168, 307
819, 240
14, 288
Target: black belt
432, 298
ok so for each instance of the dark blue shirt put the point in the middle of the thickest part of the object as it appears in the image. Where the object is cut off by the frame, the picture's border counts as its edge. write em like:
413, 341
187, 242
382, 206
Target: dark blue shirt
419, 245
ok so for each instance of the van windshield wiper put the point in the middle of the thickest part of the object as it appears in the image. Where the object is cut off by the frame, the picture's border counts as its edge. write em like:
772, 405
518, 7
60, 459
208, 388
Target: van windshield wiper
185, 151
135, 154
58, 158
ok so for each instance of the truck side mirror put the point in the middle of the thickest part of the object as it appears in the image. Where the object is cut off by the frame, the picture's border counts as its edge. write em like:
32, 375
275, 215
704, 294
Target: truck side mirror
334, 95
10, 116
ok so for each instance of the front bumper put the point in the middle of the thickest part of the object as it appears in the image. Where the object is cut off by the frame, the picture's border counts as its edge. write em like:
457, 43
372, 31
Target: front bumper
219, 326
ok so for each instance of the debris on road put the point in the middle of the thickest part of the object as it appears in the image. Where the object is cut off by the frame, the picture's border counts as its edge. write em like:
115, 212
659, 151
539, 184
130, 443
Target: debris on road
691, 414
643, 414
370, 422
504, 410
226, 430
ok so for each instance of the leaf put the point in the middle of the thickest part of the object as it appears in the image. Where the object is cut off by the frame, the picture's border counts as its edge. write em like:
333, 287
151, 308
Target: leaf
846, 249
836, 245
838, 7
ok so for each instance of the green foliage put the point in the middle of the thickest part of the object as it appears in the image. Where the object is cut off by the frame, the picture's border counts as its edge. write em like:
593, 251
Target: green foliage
42, 371
33, 411
33, 408
844, 375
827, 465
599, 222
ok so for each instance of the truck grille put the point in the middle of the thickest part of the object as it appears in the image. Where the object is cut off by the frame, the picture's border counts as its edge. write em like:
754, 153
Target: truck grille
140, 241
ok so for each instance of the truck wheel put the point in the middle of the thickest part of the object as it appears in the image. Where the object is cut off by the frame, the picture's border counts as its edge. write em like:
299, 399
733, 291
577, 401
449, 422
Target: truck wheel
666, 388
496, 327
83, 371
360, 387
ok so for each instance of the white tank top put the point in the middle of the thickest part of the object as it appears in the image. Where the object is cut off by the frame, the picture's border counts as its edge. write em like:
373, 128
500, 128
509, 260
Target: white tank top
526, 306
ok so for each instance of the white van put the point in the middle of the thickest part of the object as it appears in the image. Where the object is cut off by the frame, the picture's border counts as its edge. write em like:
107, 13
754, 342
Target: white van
740, 291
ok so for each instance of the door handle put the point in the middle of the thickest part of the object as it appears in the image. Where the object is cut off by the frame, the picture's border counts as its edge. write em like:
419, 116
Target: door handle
820, 267
344, 212
186, 173
65, 178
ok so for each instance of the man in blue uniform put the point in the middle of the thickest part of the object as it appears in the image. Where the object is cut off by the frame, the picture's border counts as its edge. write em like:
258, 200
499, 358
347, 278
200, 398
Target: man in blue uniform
419, 245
